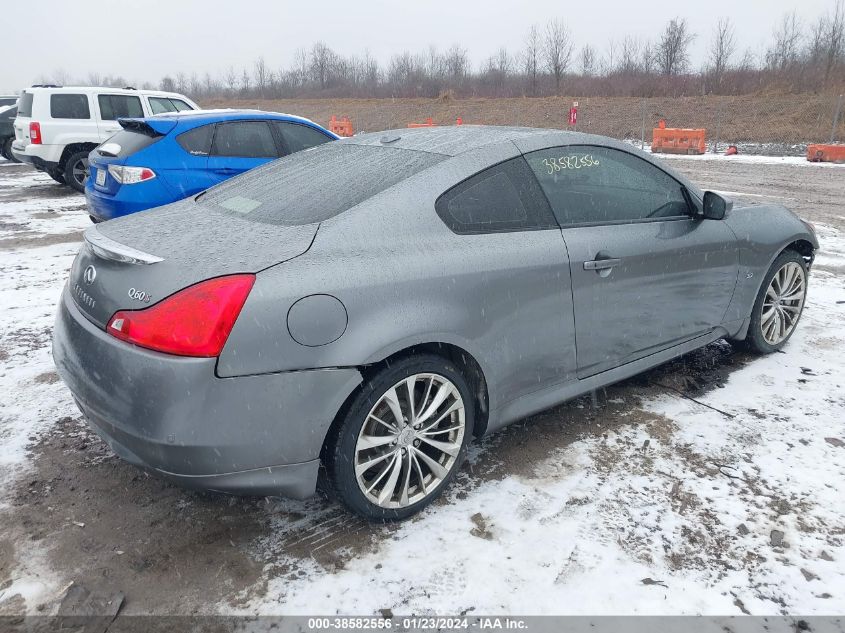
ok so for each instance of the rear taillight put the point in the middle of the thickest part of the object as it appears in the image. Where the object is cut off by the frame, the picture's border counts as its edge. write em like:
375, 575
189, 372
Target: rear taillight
195, 321
35, 133
131, 175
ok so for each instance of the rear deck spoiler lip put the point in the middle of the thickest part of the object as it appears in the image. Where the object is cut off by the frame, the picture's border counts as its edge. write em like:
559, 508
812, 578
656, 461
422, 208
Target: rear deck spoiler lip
107, 248
149, 126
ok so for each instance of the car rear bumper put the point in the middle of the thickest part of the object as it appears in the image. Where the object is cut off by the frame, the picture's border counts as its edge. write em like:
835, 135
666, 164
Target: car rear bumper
42, 157
175, 418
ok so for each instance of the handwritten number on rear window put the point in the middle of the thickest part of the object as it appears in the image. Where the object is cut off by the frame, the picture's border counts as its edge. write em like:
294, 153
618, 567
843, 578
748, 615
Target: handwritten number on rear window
575, 161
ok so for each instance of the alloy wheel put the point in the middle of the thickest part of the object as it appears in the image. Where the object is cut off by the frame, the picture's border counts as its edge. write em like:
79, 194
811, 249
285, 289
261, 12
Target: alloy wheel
783, 303
410, 440
80, 171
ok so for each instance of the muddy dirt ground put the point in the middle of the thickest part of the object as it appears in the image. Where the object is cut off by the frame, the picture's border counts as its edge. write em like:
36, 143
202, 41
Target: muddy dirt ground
79, 514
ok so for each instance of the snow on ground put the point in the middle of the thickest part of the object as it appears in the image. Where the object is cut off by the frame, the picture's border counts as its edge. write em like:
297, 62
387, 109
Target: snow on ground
750, 158
31, 279
685, 510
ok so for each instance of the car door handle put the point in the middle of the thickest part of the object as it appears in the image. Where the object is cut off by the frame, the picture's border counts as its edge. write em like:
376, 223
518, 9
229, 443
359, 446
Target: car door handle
601, 264
226, 170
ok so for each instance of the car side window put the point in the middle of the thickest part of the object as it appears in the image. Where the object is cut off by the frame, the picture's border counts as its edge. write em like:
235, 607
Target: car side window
180, 105
197, 142
113, 107
599, 185
65, 106
502, 198
246, 139
298, 137
160, 105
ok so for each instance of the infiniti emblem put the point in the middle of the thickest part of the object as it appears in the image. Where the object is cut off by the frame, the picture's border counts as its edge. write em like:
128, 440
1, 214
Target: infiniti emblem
89, 275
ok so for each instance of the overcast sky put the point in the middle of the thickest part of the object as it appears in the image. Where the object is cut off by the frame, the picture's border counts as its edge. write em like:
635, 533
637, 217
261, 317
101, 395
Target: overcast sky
144, 40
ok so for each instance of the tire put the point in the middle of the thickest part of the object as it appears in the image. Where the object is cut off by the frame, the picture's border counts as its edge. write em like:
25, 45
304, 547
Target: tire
76, 171
57, 174
7, 150
424, 470
765, 335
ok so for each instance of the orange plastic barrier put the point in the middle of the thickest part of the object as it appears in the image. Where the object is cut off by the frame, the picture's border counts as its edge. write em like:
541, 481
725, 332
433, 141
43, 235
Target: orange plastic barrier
668, 140
341, 127
826, 153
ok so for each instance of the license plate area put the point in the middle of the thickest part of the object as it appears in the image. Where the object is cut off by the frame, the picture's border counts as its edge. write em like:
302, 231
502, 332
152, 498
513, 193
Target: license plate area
101, 177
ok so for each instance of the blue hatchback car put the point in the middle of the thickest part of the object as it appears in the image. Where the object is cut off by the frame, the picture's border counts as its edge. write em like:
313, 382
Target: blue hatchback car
167, 157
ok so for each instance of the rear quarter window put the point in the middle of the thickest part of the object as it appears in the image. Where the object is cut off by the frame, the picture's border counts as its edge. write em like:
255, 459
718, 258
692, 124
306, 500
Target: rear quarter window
69, 106
317, 183
503, 198
197, 142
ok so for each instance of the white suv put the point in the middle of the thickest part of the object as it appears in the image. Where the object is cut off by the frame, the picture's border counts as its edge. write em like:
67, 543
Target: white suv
57, 127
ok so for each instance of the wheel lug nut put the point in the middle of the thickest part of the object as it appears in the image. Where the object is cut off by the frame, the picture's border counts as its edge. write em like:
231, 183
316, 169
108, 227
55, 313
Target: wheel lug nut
416, 442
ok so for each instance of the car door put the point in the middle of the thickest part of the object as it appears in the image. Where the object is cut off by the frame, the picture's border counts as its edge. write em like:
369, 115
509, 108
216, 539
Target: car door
239, 146
648, 272
113, 107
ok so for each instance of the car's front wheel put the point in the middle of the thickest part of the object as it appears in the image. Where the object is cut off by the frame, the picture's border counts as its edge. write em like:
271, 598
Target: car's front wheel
402, 440
779, 304
76, 171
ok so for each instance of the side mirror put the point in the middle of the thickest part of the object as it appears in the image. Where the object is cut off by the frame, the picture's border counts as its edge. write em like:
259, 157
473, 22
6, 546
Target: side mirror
716, 206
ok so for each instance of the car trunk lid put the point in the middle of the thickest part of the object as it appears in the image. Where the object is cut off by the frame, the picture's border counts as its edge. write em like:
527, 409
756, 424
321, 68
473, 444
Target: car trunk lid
135, 261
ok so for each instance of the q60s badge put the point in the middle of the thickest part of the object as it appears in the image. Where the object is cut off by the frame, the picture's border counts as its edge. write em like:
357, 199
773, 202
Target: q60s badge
140, 295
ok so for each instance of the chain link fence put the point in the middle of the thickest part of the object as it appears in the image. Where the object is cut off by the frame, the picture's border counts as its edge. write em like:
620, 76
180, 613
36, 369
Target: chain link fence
780, 125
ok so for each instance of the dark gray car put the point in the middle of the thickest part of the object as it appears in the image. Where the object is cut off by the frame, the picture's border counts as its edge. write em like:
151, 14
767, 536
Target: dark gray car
370, 305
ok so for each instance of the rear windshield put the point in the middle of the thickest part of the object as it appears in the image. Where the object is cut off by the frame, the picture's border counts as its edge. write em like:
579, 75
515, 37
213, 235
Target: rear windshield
318, 183
132, 142
25, 104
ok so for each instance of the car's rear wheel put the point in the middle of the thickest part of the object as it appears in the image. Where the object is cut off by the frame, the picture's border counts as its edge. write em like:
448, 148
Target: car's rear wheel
76, 171
402, 439
7, 150
779, 304
57, 174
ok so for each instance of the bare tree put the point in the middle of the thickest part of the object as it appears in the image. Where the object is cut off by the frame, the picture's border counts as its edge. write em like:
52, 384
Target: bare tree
557, 50
167, 84
835, 39
321, 62
245, 82
230, 79
783, 53
722, 49
457, 62
629, 56
262, 76
609, 61
181, 82
531, 57
673, 47
588, 60
648, 58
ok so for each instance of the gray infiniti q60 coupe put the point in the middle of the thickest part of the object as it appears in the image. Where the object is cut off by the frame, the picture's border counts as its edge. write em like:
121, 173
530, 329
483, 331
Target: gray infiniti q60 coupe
372, 304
